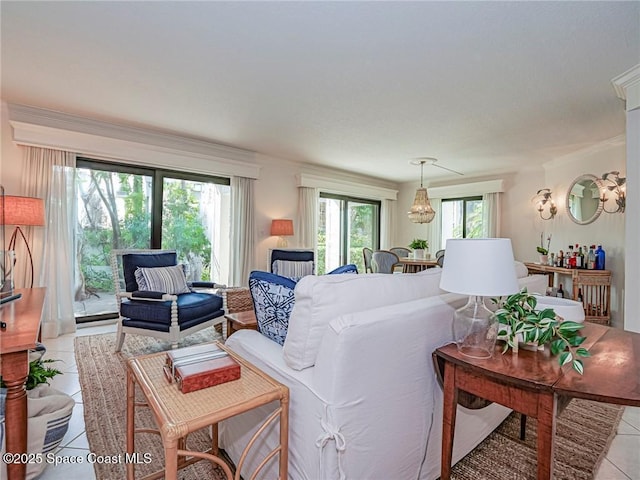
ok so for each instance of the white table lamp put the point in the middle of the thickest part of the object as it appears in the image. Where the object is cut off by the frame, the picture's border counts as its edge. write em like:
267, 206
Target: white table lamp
478, 267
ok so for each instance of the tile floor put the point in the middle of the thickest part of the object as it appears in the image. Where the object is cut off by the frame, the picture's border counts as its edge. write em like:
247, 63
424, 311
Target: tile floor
622, 461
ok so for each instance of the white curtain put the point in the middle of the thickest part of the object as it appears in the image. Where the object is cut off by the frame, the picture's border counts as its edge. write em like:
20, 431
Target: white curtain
49, 175
386, 224
58, 273
491, 206
307, 221
242, 230
434, 233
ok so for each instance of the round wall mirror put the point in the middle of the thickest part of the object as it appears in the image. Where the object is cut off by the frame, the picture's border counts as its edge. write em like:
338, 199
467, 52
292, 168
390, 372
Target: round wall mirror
583, 199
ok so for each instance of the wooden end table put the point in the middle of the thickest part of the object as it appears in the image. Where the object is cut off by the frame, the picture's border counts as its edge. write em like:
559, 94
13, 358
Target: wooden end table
241, 320
534, 384
177, 414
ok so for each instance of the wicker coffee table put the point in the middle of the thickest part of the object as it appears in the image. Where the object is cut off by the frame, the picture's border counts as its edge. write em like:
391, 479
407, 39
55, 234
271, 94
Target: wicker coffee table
177, 414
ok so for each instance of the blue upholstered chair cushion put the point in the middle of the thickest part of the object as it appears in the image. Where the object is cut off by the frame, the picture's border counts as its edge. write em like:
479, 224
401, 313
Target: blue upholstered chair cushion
273, 301
348, 268
194, 308
131, 261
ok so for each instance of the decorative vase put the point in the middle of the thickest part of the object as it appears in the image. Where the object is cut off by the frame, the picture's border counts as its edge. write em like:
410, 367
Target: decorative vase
418, 254
475, 329
544, 259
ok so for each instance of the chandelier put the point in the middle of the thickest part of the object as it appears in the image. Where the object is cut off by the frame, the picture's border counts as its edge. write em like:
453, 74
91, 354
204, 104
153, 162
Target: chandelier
421, 211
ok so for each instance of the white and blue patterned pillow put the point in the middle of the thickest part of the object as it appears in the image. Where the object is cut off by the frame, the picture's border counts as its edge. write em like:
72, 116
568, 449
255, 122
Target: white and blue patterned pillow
169, 280
273, 301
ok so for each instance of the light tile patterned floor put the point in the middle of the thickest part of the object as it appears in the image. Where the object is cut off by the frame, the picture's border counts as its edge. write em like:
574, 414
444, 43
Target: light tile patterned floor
622, 461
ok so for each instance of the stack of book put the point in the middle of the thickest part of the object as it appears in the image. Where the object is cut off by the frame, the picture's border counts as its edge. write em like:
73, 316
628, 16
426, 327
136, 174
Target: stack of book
200, 366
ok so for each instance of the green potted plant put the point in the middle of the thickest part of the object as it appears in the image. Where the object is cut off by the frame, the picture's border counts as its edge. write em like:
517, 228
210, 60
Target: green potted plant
525, 324
544, 252
419, 247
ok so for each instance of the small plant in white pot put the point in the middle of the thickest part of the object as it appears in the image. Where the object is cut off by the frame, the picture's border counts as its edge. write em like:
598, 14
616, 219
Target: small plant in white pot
48, 415
419, 247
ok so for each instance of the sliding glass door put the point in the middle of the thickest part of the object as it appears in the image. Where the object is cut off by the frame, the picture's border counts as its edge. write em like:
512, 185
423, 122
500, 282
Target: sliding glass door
346, 226
120, 207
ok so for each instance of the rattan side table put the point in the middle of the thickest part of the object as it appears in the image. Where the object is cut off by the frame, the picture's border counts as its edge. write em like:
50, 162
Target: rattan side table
177, 414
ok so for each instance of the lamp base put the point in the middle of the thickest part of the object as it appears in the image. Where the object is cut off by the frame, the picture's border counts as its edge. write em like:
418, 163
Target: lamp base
282, 242
475, 329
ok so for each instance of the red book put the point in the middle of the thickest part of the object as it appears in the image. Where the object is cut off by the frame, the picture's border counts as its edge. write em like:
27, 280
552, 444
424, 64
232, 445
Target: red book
195, 376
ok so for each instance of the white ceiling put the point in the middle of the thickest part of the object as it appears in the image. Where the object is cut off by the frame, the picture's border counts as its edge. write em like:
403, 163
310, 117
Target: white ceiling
486, 87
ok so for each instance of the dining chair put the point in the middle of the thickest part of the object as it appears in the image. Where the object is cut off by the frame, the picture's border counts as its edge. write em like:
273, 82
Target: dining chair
402, 252
367, 253
384, 261
439, 253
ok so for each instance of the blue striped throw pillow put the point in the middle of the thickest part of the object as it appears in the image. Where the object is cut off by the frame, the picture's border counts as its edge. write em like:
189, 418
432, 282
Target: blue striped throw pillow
169, 280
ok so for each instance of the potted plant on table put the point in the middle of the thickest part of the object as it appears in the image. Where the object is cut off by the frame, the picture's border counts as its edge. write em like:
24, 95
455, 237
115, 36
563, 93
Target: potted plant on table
521, 323
48, 412
544, 252
419, 247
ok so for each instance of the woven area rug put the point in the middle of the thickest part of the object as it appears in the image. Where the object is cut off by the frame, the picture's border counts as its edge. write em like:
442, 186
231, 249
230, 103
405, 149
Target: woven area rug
583, 435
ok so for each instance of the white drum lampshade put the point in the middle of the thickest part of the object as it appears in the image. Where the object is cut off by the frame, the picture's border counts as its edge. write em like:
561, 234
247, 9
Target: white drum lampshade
478, 268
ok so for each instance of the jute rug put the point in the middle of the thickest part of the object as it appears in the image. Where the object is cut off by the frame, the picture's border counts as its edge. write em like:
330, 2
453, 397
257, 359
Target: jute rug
583, 435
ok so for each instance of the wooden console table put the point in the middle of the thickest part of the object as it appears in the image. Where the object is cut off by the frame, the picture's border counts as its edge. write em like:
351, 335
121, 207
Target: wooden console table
533, 383
22, 317
595, 286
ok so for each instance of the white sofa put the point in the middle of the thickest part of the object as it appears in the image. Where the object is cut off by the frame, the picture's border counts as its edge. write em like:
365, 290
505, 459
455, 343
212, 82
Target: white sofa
369, 406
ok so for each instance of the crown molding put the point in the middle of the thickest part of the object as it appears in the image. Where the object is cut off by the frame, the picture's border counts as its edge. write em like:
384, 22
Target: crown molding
346, 187
45, 128
627, 87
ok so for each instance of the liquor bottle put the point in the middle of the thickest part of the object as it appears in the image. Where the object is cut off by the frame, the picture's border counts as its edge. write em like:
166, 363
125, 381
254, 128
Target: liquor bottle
600, 258
579, 256
569, 256
560, 293
560, 259
591, 262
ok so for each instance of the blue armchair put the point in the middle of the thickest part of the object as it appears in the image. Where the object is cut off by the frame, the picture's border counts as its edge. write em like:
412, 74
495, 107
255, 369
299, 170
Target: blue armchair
154, 298
348, 268
292, 263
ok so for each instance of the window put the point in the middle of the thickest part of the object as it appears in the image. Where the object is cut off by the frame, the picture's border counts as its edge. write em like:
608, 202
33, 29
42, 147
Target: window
461, 218
122, 206
346, 226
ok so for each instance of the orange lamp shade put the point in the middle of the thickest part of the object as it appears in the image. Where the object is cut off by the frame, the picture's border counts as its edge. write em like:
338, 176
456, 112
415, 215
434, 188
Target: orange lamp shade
25, 211
282, 227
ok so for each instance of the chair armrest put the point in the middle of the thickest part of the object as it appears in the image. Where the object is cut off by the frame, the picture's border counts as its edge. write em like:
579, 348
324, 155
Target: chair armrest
200, 284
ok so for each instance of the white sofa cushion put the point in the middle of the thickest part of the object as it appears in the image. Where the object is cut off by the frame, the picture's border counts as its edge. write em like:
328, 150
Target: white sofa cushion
521, 269
320, 299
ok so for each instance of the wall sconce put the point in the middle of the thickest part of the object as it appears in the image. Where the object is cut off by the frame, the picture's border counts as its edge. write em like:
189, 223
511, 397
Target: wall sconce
282, 228
615, 184
544, 202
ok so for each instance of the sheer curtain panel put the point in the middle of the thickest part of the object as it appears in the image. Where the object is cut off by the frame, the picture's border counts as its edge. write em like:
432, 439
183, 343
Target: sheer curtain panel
386, 224
434, 234
49, 174
242, 231
307, 221
491, 215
